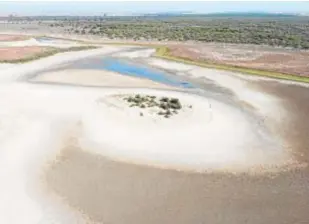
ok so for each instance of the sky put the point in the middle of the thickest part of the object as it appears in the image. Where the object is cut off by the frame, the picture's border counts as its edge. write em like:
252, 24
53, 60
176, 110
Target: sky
98, 8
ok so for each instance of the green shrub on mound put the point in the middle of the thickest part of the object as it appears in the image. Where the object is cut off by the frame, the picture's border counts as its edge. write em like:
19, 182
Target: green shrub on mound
167, 106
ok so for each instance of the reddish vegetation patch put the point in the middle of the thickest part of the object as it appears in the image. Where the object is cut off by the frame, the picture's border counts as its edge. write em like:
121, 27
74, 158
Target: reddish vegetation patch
15, 53
271, 59
8, 37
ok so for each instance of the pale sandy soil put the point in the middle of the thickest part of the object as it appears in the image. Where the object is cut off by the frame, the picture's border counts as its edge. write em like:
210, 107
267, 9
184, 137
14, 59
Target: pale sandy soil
170, 65
88, 77
56, 43
31, 41
180, 141
237, 84
142, 53
63, 148
5, 65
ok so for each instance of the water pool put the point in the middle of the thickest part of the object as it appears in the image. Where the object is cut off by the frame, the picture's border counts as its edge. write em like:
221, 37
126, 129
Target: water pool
133, 69
44, 39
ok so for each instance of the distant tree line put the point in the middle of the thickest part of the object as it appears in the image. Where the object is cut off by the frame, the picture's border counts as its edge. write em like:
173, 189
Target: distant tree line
285, 32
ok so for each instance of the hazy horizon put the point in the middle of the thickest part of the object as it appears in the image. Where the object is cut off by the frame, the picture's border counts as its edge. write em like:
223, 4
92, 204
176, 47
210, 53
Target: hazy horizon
99, 8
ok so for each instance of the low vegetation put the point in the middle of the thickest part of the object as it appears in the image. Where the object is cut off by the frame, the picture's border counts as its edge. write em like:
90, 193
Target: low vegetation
164, 52
167, 107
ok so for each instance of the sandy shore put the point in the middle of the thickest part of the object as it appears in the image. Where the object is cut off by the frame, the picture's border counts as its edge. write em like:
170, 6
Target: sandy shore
79, 154
20, 71
88, 77
58, 43
19, 43
169, 141
5, 65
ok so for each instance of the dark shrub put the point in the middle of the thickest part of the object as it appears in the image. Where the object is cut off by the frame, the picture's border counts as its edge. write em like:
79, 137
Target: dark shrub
137, 100
175, 106
163, 106
175, 101
164, 99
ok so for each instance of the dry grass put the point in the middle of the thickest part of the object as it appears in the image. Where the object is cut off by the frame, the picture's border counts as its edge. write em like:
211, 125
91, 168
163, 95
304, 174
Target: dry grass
166, 53
18, 53
279, 60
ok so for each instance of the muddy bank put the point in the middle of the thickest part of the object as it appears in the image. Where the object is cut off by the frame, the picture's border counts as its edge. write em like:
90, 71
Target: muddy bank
113, 192
295, 100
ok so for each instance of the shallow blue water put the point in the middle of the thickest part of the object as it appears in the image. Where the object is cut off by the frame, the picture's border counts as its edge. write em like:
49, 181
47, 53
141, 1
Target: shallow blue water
132, 69
44, 39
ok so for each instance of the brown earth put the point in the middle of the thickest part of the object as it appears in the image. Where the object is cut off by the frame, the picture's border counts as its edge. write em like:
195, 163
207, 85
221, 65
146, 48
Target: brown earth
8, 37
119, 193
295, 128
15, 53
249, 56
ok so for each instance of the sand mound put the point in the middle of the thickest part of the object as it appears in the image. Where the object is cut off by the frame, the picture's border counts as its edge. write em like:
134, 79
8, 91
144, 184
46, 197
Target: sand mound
211, 136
